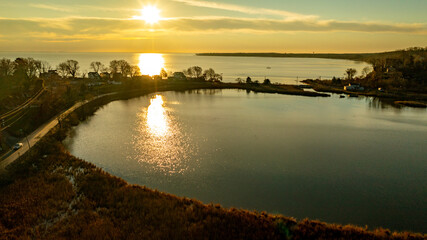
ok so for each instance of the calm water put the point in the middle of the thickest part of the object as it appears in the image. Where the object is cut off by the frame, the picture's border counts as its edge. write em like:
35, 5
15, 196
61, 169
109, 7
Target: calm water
350, 160
283, 70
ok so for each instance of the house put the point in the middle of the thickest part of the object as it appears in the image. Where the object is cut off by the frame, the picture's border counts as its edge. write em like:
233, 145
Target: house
94, 75
179, 76
354, 87
105, 75
51, 74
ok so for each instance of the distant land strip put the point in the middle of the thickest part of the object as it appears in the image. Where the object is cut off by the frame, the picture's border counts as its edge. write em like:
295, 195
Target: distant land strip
347, 56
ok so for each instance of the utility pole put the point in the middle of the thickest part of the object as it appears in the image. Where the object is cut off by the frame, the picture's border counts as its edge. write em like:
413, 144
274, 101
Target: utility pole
22, 133
29, 146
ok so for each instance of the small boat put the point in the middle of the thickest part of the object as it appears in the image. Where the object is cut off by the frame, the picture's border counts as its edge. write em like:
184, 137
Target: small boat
342, 96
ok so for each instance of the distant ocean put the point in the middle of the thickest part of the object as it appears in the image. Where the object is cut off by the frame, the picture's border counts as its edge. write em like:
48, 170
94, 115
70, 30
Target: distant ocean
282, 70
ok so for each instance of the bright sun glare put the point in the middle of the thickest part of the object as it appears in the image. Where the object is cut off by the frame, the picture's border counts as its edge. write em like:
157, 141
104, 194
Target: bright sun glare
150, 14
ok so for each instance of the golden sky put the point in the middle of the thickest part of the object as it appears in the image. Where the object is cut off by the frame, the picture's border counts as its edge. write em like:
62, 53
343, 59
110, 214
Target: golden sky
213, 26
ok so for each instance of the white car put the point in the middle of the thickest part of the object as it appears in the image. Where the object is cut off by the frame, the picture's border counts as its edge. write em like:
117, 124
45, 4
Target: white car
17, 146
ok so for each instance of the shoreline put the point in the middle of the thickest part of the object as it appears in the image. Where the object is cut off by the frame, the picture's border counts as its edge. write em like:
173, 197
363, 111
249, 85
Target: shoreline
403, 98
88, 188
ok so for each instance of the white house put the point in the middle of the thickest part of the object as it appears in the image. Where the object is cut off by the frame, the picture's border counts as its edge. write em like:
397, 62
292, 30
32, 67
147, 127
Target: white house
354, 87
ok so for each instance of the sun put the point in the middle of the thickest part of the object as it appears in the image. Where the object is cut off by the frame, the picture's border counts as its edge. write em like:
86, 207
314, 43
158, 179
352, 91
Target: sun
150, 14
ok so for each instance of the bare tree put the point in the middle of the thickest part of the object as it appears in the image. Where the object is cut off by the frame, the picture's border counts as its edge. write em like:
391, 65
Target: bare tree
6, 67
366, 71
96, 66
239, 80
351, 72
63, 69
44, 67
114, 66
163, 73
72, 67
26, 67
196, 71
209, 74
135, 71
125, 68
188, 72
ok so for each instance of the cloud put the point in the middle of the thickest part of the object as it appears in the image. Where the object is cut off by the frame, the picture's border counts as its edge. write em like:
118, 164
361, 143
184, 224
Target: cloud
80, 28
51, 7
268, 25
250, 10
80, 8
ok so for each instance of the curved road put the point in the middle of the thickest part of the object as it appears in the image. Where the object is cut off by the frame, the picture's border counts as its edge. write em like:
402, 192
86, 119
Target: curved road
38, 134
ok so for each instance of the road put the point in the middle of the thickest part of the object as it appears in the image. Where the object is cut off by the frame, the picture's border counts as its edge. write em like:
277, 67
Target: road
38, 134
34, 137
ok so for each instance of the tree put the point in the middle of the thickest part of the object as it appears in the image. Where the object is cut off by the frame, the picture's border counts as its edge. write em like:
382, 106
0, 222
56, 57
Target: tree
188, 72
248, 80
72, 67
366, 71
26, 68
196, 71
266, 82
350, 73
125, 67
209, 74
135, 71
114, 66
44, 67
239, 80
62, 69
163, 73
6, 67
96, 66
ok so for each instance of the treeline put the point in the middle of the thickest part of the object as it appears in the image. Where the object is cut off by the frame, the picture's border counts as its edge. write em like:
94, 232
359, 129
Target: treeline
50, 194
402, 69
29, 68
197, 73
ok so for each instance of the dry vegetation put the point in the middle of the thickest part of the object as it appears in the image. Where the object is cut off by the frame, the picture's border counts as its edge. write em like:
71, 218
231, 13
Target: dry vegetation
50, 194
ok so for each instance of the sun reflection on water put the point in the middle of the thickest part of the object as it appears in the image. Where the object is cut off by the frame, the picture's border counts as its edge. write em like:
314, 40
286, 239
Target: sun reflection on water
156, 117
151, 63
159, 142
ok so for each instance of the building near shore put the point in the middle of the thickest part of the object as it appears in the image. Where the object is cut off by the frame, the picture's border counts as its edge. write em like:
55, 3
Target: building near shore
354, 87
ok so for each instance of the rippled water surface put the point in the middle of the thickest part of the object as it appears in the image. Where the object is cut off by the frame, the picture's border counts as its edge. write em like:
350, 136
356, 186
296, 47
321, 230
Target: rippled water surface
352, 160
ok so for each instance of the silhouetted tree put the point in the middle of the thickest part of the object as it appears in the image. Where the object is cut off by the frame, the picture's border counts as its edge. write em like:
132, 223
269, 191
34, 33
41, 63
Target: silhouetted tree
26, 68
62, 69
96, 66
114, 66
135, 71
266, 82
196, 71
209, 74
350, 73
188, 72
239, 80
125, 67
248, 80
6, 67
366, 71
163, 73
72, 67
